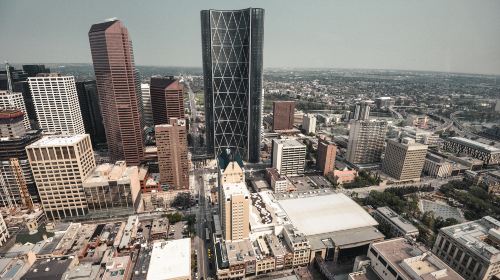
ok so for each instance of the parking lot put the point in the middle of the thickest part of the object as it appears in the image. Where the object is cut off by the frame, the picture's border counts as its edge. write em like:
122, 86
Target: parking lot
175, 230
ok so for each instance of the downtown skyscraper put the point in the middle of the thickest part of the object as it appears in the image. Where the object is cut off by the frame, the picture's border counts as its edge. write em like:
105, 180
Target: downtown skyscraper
119, 93
232, 49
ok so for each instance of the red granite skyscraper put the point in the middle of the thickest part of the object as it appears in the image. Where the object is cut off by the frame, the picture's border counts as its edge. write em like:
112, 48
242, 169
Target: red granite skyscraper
167, 99
283, 115
116, 85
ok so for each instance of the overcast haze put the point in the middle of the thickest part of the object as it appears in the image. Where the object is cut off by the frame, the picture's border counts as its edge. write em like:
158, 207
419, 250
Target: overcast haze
438, 35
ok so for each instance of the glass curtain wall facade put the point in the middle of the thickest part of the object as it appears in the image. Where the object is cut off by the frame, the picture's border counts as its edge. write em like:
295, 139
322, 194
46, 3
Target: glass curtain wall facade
232, 43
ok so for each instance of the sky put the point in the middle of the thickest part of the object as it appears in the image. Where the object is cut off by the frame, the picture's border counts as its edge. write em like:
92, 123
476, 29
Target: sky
434, 35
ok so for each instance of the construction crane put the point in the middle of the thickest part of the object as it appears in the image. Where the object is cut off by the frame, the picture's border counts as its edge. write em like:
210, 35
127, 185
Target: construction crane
21, 182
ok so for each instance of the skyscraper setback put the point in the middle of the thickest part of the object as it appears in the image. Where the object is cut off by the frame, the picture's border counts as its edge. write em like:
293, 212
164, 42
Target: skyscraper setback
232, 49
167, 99
119, 95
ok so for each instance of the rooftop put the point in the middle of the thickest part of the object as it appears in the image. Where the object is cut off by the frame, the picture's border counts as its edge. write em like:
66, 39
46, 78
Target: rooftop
289, 143
48, 269
231, 189
401, 223
58, 140
413, 261
325, 213
170, 259
481, 237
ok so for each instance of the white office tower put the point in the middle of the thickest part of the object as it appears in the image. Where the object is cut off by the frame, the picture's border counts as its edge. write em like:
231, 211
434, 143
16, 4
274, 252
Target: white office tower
289, 156
366, 141
10, 99
56, 103
309, 123
362, 111
60, 164
147, 112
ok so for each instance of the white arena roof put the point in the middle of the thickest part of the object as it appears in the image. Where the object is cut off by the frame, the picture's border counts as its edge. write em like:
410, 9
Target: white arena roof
326, 213
170, 260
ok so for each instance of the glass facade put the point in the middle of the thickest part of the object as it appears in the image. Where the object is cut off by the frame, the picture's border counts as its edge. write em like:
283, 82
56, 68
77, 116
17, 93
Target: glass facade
232, 43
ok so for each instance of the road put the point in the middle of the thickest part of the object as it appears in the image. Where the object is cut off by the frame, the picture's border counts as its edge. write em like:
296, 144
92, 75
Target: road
202, 259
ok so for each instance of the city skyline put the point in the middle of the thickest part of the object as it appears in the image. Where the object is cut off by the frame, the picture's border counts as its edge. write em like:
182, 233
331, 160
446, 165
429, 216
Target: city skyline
388, 35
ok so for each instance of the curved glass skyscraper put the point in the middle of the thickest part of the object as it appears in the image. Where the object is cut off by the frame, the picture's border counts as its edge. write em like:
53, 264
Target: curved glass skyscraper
232, 43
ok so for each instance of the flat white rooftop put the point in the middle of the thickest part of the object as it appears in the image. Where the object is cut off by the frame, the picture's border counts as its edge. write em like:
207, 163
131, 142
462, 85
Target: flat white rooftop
59, 140
326, 213
231, 189
170, 260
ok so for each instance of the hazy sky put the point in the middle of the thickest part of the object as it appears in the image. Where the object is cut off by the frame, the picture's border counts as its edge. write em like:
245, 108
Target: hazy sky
440, 35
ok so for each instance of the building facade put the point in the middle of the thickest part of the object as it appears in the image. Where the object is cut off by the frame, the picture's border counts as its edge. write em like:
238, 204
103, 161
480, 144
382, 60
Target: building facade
9, 99
283, 115
56, 103
396, 225
362, 110
60, 164
326, 156
366, 141
489, 154
4, 232
404, 159
171, 141
437, 166
167, 99
146, 105
119, 92
309, 123
232, 50
289, 156
113, 187
91, 111
471, 248
235, 211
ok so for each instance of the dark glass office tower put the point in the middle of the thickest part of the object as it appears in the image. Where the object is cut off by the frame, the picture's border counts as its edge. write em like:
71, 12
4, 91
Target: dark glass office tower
34, 69
91, 111
232, 49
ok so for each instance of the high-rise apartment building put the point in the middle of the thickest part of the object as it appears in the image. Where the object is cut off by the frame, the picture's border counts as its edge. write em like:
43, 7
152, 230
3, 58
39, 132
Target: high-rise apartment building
309, 123
11, 123
283, 115
113, 187
171, 141
362, 110
91, 111
326, 156
235, 211
232, 49
289, 156
9, 99
471, 248
366, 141
404, 159
56, 103
146, 105
60, 164
167, 99
119, 93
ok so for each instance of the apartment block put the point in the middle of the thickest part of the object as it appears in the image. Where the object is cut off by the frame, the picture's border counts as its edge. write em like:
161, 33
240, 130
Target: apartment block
9, 99
56, 103
289, 156
366, 141
326, 156
309, 123
404, 159
471, 248
235, 211
113, 187
362, 110
171, 141
278, 183
283, 115
60, 165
